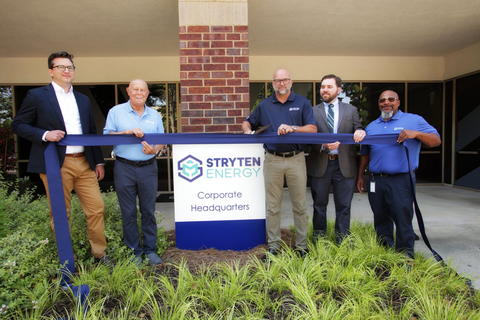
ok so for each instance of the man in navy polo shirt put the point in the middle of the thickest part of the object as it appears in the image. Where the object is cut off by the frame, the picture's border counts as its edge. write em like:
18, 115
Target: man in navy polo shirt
391, 195
135, 171
285, 112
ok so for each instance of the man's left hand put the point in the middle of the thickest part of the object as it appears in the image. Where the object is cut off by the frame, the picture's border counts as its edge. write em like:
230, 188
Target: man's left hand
359, 135
100, 172
284, 129
407, 134
148, 149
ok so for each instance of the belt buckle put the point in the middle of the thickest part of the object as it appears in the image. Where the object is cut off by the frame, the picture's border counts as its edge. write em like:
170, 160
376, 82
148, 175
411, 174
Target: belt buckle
331, 157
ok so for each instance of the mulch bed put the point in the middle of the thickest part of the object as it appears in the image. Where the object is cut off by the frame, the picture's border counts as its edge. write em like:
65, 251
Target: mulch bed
196, 259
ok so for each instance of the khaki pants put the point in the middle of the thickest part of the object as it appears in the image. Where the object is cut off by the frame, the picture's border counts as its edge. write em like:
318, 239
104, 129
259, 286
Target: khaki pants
77, 175
294, 170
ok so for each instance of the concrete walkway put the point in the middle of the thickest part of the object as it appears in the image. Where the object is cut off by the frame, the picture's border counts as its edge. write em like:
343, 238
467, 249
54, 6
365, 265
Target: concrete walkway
451, 216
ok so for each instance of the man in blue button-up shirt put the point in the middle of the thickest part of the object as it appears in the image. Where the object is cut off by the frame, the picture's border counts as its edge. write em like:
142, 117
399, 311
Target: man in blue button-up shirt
391, 195
135, 170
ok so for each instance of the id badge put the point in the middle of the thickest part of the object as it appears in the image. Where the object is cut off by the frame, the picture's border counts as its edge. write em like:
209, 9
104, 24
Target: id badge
372, 186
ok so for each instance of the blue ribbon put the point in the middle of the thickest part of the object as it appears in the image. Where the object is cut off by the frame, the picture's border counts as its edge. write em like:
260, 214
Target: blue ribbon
62, 231
221, 138
57, 198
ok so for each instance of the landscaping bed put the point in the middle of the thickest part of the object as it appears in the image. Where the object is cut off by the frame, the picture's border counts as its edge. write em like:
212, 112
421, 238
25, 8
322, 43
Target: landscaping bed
357, 280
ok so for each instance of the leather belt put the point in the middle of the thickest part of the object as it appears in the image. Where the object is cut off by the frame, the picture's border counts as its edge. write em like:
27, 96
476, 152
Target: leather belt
75, 155
136, 164
332, 156
284, 154
385, 175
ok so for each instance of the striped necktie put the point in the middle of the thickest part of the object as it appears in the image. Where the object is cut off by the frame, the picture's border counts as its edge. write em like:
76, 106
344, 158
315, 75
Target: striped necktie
331, 118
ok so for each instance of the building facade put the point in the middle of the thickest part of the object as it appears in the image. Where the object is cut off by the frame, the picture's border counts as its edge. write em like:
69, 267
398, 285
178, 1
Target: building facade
224, 60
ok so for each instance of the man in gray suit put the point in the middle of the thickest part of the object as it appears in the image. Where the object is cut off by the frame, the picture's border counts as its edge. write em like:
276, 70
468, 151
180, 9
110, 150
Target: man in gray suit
332, 163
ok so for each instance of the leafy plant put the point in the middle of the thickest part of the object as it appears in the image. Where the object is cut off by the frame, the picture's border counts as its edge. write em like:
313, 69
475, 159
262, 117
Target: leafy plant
7, 151
358, 99
28, 252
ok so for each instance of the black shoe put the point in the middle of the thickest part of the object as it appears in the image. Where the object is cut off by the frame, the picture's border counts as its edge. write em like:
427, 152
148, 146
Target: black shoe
301, 253
270, 252
106, 261
416, 237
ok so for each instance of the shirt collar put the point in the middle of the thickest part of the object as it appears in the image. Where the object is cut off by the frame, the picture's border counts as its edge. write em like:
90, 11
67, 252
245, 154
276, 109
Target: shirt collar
290, 98
59, 90
145, 111
335, 104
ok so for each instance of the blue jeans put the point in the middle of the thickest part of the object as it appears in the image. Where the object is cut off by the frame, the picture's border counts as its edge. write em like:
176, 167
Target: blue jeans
131, 181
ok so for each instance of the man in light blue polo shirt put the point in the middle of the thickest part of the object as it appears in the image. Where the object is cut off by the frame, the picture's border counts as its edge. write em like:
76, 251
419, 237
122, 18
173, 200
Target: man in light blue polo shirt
391, 194
135, 171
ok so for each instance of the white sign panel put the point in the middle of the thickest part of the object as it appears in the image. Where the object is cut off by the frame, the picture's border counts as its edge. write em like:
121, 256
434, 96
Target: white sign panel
218, 182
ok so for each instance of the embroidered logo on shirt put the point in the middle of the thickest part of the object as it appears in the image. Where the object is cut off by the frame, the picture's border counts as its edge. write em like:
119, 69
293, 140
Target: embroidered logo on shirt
398, 128
293, 109
148, 121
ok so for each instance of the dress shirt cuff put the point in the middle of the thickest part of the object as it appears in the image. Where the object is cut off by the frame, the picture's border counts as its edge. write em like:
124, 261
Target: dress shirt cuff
44, 136
100, 164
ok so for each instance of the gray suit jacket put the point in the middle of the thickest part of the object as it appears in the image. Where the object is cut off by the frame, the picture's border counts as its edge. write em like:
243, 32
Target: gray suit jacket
348, 122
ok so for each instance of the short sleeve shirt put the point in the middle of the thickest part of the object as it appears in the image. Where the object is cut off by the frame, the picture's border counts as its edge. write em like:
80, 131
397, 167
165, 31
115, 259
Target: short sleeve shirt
297, 110
392, 159
123, 117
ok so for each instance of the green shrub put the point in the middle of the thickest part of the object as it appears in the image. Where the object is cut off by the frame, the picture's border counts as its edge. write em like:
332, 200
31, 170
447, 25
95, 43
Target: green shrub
28, 252
24, 261
3, 218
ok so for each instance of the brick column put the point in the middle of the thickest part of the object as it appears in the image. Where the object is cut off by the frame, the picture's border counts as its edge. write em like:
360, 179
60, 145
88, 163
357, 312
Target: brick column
214, 65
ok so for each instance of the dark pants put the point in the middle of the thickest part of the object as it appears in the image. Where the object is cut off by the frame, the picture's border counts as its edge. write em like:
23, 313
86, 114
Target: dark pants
392, 203
130, 182
342, 196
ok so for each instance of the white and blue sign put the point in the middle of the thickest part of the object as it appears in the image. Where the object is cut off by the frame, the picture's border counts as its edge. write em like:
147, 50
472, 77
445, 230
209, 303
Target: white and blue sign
219, 196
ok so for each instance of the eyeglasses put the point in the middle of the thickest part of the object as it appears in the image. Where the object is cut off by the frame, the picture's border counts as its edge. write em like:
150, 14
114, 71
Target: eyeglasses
278, 81
390, 99
62, 68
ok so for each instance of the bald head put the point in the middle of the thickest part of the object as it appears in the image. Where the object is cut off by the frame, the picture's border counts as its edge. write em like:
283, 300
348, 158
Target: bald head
138, 93
282, 82
281, 74
138, 82
389, 93
388, 104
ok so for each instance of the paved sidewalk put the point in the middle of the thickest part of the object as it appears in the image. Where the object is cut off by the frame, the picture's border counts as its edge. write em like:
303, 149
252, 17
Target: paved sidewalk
451, 216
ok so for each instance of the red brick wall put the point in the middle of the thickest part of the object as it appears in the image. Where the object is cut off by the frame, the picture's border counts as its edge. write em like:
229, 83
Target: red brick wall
214, 78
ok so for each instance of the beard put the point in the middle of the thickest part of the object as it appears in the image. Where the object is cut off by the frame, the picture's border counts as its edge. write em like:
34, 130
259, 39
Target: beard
387, 115
329, 98
284, 90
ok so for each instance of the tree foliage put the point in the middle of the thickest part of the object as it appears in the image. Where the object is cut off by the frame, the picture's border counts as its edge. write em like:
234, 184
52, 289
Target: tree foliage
7, 150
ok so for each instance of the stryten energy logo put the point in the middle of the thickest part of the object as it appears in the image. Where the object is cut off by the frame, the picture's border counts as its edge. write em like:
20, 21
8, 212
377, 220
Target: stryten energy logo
189, 168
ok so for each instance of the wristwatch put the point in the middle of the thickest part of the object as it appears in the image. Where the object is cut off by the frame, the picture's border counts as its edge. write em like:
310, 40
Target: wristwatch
294, 128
